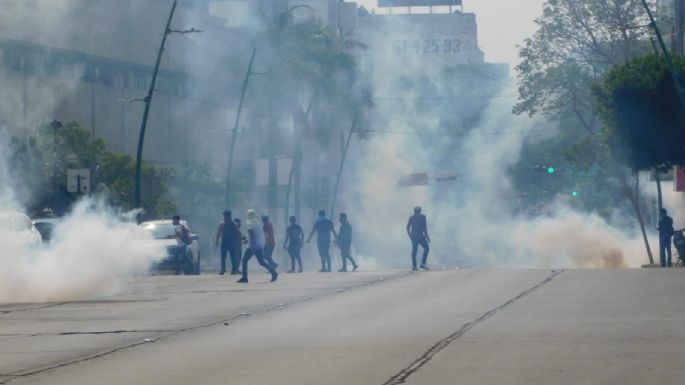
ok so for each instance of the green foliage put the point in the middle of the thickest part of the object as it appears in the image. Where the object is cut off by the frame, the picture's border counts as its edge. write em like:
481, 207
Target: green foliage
36, 158
642, 112
576, 42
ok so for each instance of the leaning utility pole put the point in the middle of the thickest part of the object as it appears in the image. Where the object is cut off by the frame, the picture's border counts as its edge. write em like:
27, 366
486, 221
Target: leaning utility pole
342, 164
235, 128
148, 101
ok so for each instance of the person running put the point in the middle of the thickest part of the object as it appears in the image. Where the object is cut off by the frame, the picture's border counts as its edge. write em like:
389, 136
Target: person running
417, 229
324, 227
269, 241
255, 247
230, 240
345, 243
665, 228
294, 239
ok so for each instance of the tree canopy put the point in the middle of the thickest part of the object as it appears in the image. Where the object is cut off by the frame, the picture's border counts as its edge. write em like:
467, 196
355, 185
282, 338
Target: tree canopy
642, 114
576, 42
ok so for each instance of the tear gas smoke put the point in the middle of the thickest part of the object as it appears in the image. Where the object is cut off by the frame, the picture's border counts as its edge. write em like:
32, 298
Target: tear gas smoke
474, 221
91, 255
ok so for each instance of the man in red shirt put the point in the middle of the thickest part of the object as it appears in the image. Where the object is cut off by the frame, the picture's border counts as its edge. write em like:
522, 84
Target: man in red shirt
417, 229
269, 241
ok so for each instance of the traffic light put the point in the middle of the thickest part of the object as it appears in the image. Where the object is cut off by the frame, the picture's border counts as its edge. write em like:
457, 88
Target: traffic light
543, 168
574, 194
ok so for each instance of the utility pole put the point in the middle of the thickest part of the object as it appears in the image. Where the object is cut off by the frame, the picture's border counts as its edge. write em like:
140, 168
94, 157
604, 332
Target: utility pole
148, 101
235, 128
667, 55
342, 164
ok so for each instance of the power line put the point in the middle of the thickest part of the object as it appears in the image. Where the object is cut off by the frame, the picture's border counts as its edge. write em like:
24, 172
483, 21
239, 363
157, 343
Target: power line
472, 133
390, 98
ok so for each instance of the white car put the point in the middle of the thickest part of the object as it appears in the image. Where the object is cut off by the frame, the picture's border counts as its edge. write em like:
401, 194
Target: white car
20, 226
164, 232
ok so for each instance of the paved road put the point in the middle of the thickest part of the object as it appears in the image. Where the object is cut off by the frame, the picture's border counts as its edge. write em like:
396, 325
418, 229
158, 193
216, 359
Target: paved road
451, 327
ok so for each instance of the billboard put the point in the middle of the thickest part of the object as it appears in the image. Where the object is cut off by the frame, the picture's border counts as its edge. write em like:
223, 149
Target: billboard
416, 3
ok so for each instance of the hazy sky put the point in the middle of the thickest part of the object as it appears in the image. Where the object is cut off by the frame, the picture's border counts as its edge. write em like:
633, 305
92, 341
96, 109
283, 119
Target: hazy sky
502, 24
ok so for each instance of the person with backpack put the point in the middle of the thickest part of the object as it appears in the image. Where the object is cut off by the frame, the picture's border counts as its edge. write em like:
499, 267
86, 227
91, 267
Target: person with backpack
183, 241
294, 239
665, 228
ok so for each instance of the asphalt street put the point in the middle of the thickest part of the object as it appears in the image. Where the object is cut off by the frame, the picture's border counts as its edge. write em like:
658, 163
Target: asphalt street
438, 327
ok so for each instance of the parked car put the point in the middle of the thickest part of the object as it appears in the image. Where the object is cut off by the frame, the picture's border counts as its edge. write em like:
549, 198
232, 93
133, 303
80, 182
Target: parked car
45, 227
20, 224
163, 231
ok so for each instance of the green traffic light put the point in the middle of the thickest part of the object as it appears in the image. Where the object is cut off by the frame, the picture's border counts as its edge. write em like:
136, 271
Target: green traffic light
575, 194
551, 170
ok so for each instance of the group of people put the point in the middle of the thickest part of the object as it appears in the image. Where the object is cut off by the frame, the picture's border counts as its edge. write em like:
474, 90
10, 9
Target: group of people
261, 242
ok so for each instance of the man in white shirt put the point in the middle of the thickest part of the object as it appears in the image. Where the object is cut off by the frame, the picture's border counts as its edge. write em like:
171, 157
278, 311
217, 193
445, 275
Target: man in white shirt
256, 247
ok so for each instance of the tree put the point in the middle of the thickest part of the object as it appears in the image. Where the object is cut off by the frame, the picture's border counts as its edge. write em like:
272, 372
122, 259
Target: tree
310, 67
51, 151
576, 43
642, 114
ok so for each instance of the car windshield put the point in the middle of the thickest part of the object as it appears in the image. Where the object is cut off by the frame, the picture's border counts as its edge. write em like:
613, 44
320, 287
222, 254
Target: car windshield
161, 230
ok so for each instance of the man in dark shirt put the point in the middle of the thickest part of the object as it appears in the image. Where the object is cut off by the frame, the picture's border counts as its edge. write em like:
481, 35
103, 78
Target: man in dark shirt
229, 235
665, 228
417, 229
345, 243
323, 227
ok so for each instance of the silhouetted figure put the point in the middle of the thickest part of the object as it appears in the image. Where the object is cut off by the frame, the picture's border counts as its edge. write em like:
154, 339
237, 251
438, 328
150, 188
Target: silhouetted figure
230, 242
345, 243
294, 239
269, 241
417, 229
256, 247
665, 227
323, 227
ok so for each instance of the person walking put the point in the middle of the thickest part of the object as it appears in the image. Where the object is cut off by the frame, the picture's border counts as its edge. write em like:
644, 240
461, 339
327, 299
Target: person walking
345, 243
230, 238
255, 247
417, 229
294, 239
269, 241
323, 228
665, 228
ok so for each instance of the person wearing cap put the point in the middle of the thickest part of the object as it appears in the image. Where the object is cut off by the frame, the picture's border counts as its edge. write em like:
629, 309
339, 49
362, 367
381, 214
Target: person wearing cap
255, 247
417, 229
665, 228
